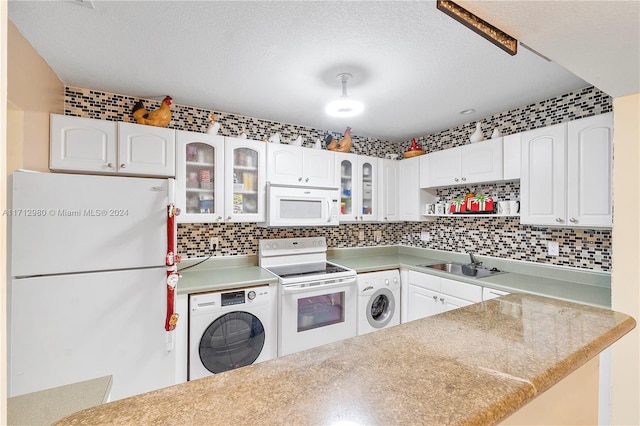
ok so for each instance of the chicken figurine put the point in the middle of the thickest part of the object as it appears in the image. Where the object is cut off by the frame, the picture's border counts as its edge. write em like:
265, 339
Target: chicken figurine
159, 118
343, 145
214, 126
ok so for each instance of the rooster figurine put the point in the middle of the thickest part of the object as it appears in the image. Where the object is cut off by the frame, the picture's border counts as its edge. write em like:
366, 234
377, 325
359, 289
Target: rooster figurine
214, 126
159, 118
343, 144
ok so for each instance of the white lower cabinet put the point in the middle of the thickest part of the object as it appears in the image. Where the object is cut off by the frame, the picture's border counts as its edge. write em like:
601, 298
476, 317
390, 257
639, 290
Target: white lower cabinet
492, 293
422, 303
430, 295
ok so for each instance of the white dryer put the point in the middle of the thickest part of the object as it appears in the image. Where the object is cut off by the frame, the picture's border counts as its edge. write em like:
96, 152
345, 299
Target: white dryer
378, 300
231, 329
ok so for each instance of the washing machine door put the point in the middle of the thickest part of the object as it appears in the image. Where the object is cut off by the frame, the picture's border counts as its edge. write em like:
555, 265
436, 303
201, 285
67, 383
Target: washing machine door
380, 308
231, 341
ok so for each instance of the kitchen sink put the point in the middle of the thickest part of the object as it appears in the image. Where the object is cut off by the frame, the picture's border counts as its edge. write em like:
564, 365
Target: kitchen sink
466, 270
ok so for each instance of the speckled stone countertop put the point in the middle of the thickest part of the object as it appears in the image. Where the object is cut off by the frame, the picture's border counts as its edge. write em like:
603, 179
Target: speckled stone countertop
473, 365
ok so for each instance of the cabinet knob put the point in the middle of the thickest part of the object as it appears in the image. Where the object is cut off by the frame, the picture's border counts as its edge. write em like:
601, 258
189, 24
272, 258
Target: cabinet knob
110, 165
219, 218
464, 179
455, 179
228, 217
306, 180
435, 298
300, 179
558, 220
573, 220
122, 166
442, 299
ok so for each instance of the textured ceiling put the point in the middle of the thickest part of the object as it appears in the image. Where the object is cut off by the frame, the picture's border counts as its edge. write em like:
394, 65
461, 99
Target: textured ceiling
413, 67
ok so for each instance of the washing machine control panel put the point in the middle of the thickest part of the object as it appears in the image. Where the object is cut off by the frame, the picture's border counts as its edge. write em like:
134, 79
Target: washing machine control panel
232, 298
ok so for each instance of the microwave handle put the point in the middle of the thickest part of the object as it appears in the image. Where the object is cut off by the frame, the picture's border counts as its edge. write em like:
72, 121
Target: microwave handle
328, 209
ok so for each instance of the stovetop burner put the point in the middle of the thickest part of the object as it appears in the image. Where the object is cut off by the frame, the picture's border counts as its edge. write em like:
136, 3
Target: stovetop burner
298, 260
305, 269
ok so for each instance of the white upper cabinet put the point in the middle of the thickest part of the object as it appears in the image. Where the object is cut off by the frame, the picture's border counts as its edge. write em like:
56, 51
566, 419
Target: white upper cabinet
199, 177
474, 163
389, 188
444, 168
108, 147
511, 161
83, 144
589, 171
245, 180
412, 198
542, 181
146, 150
299, 166
566, 174
481, 162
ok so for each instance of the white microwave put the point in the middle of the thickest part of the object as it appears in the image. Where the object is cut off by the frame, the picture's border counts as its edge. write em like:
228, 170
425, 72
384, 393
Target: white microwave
297, 206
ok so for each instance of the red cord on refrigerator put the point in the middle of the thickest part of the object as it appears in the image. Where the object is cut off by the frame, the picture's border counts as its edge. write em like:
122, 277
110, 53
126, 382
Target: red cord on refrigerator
172, 273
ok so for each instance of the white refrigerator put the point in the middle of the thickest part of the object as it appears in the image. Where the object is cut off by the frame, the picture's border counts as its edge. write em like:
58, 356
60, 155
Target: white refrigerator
88, 289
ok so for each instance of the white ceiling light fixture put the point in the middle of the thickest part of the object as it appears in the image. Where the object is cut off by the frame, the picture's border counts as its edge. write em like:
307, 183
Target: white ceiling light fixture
345, 106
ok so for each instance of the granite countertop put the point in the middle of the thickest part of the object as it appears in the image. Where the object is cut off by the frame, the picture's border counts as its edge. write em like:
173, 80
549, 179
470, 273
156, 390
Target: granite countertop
473, 365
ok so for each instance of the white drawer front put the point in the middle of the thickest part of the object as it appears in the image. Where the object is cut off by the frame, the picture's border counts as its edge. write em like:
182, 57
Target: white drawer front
420, 279
462, 290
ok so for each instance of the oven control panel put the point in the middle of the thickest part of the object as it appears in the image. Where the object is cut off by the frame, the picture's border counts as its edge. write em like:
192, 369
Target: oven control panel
286, 246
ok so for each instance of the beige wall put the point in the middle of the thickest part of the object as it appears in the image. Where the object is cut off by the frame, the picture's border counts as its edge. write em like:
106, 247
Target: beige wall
625, 279
34, 92
30, 91
3, 218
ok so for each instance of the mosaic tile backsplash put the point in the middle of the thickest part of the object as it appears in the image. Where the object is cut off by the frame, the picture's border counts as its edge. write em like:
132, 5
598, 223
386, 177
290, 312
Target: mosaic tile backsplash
495, 236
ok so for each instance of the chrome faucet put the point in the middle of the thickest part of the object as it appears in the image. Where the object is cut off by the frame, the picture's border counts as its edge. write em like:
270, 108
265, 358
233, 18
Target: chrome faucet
474, 260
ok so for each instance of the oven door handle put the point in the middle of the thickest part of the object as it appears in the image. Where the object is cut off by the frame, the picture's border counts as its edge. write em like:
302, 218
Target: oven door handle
317, 285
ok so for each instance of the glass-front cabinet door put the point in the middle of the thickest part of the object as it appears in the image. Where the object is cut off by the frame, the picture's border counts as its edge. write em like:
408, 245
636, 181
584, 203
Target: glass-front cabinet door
199, 177
367, 184
245, 163
346, 172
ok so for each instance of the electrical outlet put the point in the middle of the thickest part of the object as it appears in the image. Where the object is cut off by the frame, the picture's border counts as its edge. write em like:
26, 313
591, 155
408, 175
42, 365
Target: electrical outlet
361, 235
425, 236
553, 248
377, 235
213, 243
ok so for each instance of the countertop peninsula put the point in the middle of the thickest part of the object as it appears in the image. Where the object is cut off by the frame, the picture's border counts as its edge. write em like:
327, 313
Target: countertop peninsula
473, 365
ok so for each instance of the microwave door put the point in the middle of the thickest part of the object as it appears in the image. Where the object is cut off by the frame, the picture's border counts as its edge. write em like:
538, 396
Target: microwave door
303, 209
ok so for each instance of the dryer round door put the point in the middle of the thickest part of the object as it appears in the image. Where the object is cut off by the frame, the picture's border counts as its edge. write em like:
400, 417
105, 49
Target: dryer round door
380, 308
231, 341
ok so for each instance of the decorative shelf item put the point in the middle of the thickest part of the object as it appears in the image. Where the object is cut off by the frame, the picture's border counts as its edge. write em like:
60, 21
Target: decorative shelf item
456, 215
414, 150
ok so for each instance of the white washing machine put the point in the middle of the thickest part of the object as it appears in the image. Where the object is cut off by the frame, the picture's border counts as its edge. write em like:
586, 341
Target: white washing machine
378, 300
231, 329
